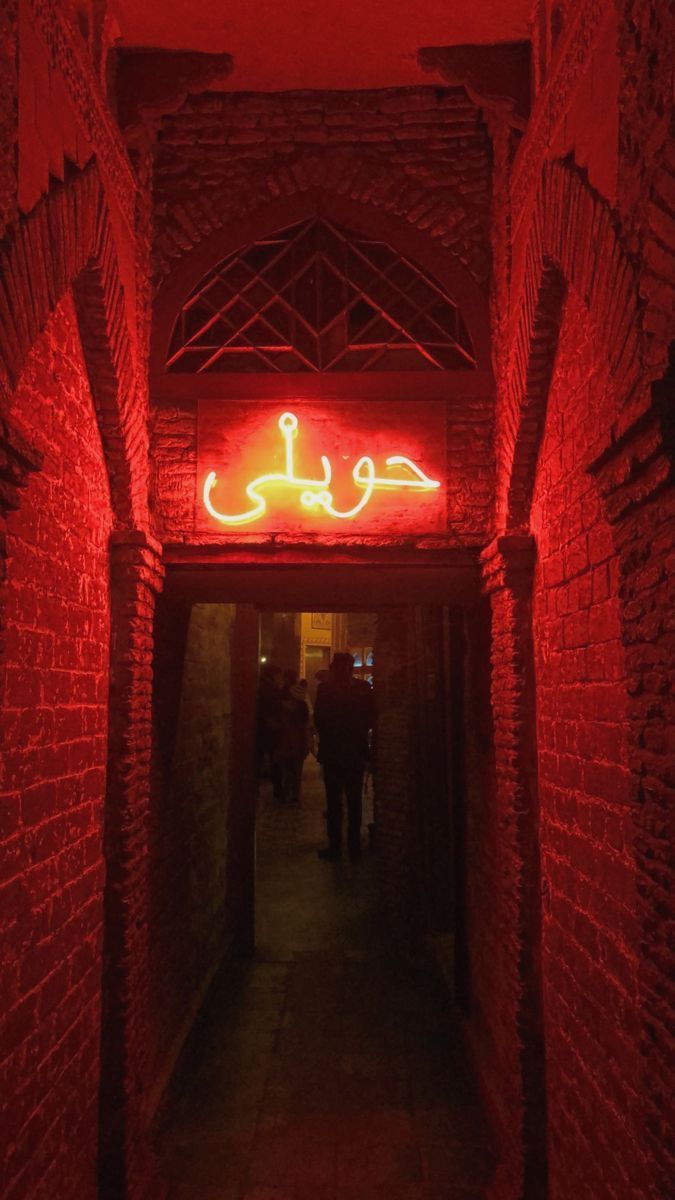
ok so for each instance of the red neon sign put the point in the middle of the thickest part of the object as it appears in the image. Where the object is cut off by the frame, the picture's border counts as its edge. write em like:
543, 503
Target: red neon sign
336, 469
315, 494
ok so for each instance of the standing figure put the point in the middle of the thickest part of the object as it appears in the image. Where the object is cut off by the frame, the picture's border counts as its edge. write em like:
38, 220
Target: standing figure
343, 715
293, 745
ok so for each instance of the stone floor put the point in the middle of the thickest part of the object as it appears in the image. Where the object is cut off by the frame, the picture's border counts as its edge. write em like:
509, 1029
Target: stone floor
325, 1069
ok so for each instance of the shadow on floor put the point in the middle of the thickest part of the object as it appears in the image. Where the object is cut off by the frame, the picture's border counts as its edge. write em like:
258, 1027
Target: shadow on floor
325, 1069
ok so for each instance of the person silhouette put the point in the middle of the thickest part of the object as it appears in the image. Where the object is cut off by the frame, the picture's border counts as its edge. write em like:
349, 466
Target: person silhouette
293, 744
344, 714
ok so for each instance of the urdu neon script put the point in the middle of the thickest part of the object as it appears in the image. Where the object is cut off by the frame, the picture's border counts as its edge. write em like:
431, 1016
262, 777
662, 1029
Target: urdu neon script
315, 494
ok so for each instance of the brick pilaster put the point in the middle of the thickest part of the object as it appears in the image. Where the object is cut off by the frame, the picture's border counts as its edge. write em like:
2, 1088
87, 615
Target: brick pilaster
127, 1165
507, 569
635, 477
394, 776
244, 642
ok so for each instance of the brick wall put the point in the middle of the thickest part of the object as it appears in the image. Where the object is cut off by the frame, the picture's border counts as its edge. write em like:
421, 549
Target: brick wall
54, 733
9, 86
422, 153
188, 835
589, 953
634, 476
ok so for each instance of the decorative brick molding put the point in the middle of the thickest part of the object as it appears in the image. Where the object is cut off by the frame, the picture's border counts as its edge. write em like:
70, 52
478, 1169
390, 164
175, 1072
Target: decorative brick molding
573, 242
638, 466
127, 1167
68, 56
646, 198
636, 477
508, 562
553, 102
112, 376
497, 78
152, 83
39, 262
67, 241
544, 340
518, 1096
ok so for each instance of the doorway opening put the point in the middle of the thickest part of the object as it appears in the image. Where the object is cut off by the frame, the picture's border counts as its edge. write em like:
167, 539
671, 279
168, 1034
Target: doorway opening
431, 762
301, 905
424, 764
318, 1051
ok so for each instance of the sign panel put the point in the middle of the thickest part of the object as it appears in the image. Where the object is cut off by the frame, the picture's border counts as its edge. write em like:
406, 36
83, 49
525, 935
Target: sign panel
340, 469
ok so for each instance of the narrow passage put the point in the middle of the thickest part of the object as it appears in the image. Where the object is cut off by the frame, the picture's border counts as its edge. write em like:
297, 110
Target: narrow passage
324, 1069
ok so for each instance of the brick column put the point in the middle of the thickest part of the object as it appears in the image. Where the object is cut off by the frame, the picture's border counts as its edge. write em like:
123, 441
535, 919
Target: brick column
635, 477
127, 1164
244, 650
518, 1095
395, 752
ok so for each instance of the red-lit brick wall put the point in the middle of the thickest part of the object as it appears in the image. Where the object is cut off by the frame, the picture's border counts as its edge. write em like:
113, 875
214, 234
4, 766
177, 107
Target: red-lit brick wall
422, 153
53, 729
590, 936
189, 821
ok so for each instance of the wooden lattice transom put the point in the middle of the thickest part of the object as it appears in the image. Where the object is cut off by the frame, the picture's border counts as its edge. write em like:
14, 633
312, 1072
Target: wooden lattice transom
315, 297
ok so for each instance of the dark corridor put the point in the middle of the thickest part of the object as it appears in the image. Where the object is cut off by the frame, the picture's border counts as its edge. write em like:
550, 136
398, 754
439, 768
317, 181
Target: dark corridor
325, 1069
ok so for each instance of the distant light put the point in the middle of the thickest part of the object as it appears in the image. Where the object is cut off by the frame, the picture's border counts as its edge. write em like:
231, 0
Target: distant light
263, 658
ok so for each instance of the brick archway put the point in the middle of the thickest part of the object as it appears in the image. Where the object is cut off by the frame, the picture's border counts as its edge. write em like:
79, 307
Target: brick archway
544, 340
67, 241
575, 242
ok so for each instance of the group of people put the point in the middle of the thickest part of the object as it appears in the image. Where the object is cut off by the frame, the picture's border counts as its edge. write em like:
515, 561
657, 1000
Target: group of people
343, 718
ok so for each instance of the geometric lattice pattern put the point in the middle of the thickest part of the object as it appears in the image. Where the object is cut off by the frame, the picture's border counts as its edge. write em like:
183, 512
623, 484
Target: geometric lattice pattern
315, 297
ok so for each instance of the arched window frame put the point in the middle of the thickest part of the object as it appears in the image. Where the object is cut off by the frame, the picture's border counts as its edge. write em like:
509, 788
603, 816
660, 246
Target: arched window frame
417, 245
317, 297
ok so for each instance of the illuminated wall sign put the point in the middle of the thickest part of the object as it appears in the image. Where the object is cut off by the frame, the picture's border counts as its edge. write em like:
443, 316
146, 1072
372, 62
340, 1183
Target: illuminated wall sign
316, 493
266, 468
